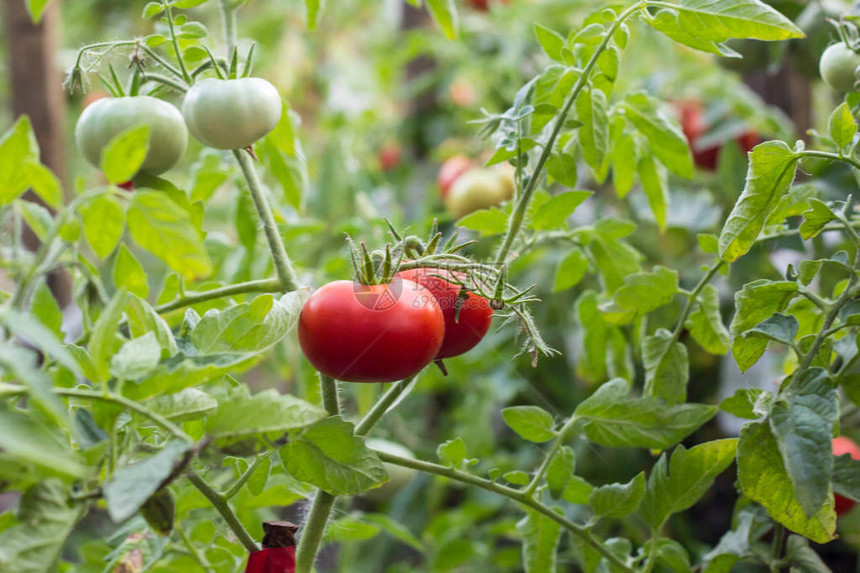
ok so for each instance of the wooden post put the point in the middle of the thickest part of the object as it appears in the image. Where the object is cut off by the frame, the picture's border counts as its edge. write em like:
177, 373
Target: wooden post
37, 91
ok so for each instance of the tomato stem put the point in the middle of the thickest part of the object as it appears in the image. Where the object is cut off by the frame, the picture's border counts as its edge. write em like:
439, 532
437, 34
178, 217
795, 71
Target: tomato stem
383, 405
283, 265
578, 530
312, 533
222, 506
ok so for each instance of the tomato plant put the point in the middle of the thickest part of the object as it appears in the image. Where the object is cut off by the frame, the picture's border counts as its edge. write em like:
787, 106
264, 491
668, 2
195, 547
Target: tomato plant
674, 350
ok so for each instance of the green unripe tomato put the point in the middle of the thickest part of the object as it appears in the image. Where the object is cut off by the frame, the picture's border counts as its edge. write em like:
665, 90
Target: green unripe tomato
837, 66
231, 114
398, 476
106, 118
479, 189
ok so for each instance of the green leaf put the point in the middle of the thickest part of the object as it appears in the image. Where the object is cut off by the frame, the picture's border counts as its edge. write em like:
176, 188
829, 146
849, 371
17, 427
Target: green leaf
21, 364
452, 453
40, 336
802, 557
841, 125
192, 30
103, 219
128, 273
625, 158
142, 319
37, 217
666, 21
656, 188
46, 519
36, 9
756, 302
46, 310
604, 347
770, 174
618, 500
152, 9
667, 368
17, 147
551, 42
744, 403
815, 219
123, 156
591, 110
27, 440
530, 423
260, 414
706, 324
329, 456
577, 491
846, 476
445, 14
554, 213
570, 270
670, 554
720, 21
802, 419
641, 294
676, 485
562, 168
611, 418
708, 243
163, 228
248, 327
763, 478
517, 477
779, 327
665, 139
132, 485
103, 341
188, 404
615, 259
560, 471
541, 536
44, 183
137, 358
486, 221
734, 545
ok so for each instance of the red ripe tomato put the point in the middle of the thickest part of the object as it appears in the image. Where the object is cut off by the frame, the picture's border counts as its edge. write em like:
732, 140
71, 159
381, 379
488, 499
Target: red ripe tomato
128, 185
842, 446
693, 125
389, 156
272, 560
482, 5
451, 170
463, 332
377, 333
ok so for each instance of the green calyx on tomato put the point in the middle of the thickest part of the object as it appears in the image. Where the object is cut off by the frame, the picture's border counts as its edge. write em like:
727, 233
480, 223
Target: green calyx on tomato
371, 333
231, 114
106, 118
480, 188
838, 67
467, 318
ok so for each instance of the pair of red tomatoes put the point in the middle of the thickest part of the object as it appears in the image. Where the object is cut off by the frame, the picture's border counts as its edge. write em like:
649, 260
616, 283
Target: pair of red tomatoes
388, 332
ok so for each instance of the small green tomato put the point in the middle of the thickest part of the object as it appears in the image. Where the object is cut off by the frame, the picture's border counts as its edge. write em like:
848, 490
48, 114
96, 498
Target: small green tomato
231, 114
